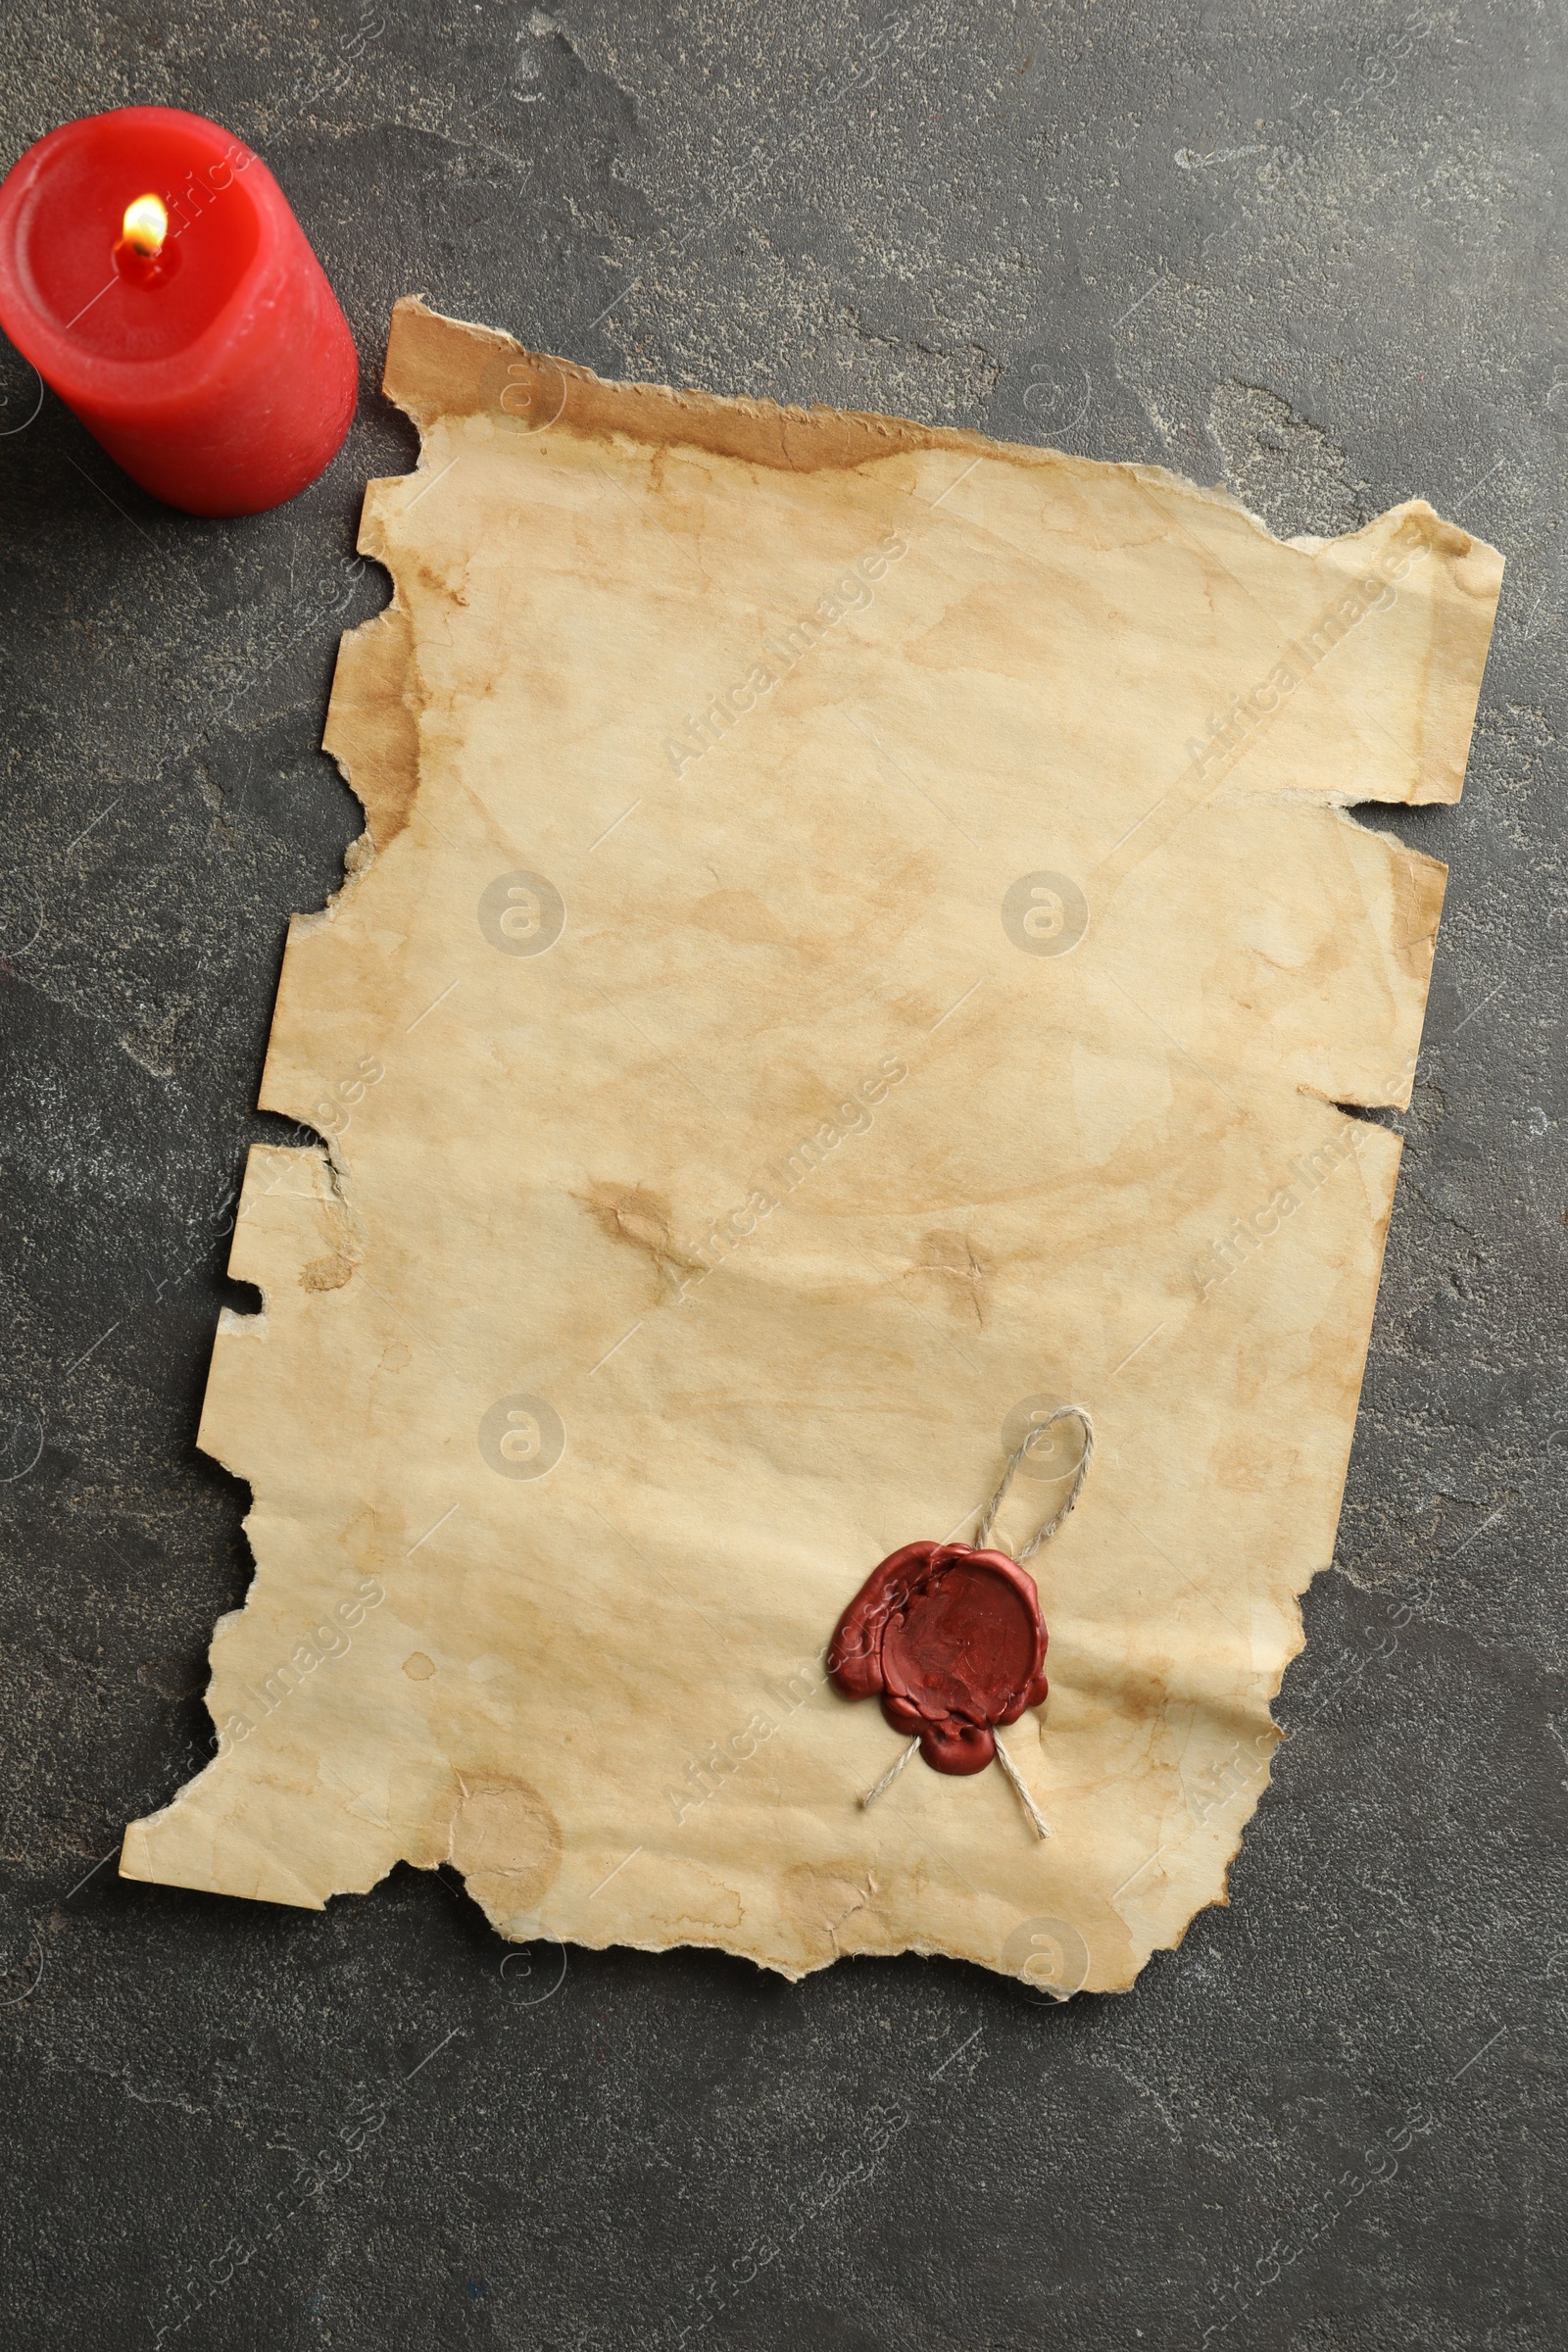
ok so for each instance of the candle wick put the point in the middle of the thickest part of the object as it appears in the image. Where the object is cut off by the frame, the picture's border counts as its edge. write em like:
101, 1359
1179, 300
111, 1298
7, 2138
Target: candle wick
140, 254
145, 227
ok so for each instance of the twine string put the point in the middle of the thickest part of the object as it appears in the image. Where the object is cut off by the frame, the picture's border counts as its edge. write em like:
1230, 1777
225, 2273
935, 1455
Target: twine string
893, 1771
1044, 1533
1016, 1778
891, 1774
1041, 1535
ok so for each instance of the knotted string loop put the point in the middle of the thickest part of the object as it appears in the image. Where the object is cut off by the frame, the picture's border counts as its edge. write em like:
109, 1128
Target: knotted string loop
1031, 1437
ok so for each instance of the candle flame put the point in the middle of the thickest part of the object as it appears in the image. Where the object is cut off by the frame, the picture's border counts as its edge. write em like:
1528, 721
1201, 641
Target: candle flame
146, 225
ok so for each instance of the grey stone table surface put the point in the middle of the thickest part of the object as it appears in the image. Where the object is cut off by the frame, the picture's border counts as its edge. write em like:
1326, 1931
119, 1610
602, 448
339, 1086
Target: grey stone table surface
1316, 255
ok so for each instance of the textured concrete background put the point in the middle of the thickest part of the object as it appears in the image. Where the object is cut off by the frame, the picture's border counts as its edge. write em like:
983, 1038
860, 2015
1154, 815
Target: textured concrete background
1319, 254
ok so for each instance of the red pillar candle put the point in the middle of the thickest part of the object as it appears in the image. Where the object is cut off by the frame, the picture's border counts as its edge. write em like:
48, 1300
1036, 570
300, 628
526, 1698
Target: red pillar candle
152, 271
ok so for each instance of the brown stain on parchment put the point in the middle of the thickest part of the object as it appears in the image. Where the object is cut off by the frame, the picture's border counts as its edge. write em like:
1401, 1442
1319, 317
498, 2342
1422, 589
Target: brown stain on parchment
1137, 1692
954, 1273
504, 1841
438, 367
1419, 883
338, 1228
370, 728
327, 1273
1456, 658
740, 915
820, 1902
1144, 1693
983, 629
641, 1219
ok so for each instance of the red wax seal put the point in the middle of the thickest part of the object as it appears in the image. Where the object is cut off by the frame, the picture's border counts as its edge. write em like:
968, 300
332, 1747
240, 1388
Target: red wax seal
950, 1640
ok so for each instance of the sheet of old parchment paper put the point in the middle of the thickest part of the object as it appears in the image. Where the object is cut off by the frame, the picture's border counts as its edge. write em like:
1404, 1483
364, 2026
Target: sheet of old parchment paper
856, 942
